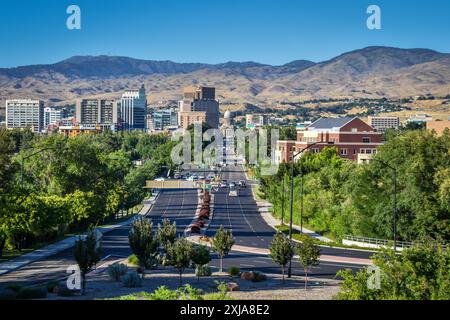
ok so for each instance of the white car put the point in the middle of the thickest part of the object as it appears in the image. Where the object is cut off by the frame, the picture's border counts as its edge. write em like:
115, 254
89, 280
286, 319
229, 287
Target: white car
160, 179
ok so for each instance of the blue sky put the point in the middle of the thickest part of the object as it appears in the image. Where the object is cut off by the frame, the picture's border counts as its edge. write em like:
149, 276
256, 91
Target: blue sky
212, 31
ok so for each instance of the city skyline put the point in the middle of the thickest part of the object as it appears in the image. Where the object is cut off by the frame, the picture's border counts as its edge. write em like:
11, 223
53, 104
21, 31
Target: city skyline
267, 32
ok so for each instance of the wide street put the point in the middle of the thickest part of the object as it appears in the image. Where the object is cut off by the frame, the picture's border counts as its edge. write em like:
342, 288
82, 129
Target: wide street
240, 214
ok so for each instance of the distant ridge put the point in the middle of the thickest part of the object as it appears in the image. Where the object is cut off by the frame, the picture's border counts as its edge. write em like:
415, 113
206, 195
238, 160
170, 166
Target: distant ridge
369, 72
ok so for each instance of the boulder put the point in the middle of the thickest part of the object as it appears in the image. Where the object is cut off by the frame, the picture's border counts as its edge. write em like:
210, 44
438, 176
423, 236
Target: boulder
232, 286
246, 275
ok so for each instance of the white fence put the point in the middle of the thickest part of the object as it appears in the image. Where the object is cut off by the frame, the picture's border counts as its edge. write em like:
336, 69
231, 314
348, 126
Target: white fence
374, 243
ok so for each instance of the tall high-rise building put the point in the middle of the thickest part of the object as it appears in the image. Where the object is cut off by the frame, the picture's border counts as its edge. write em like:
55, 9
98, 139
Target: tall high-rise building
93, 112
25, 113
199, 105
52, 116
133, 110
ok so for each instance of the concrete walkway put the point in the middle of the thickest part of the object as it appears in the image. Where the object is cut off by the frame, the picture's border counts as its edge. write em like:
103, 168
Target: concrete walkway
67, 243
264, 209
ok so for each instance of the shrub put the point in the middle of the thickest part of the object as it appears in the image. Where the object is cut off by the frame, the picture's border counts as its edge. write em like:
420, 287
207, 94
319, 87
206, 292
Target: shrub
8, 294
32, 293
131, 280
51, 285
14, 287
258, 277
188, 292
133, 260
117, 271
152, 262
63, 291
163, 293
234, 271
203, 271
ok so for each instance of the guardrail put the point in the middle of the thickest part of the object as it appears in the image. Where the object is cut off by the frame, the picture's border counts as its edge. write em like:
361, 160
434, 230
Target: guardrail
374, 243
378, 243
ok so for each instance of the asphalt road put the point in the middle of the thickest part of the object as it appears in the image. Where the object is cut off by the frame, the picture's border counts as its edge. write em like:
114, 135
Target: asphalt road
240, 214
176, 205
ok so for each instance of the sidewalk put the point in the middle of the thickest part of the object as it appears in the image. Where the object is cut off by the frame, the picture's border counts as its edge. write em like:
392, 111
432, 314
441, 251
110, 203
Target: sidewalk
67, 243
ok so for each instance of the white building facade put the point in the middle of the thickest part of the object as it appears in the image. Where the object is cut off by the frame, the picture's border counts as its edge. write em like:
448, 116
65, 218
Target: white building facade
25, 113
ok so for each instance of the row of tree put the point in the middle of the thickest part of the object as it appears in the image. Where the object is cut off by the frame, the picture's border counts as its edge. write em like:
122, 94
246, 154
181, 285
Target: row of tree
343, 198
51, 185
178, 252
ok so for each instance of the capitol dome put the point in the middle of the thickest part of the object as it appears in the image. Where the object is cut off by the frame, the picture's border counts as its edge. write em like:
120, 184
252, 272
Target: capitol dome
227, 114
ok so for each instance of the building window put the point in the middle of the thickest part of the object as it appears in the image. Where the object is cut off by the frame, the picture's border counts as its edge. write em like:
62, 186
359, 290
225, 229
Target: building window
366, 140
354, 129
343, 152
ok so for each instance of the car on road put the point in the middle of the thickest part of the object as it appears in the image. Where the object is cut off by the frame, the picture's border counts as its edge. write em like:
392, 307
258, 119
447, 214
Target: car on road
242, 184
160, 179
177, 176
232, 185
201, 177
223, 184
233, 192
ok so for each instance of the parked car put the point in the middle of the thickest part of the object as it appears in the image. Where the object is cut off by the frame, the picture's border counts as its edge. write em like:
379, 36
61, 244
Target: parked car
160, 179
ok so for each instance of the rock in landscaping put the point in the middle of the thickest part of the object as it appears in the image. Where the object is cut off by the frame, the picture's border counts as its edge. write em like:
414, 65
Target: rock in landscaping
247, 275
232, 286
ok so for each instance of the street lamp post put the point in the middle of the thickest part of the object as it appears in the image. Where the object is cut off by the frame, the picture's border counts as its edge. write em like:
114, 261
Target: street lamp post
394, 217
301, 196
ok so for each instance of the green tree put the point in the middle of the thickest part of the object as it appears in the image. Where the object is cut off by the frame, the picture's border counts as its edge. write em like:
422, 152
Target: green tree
87, 254
201, 256
179, 254
142, 242
421, 272
222, 243
308, 256
281, 251
166, 233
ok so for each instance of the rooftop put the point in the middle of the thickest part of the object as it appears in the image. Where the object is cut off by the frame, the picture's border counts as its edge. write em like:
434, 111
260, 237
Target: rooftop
330, 123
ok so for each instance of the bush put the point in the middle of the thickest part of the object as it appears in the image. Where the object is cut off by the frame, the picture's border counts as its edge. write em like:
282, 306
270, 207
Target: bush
32, 293
258, 277
163, 293
131, 280
234, 271
15, 287
133, 260
117, 271
151, 264
51, 285
63, 291
8, 294
203, 271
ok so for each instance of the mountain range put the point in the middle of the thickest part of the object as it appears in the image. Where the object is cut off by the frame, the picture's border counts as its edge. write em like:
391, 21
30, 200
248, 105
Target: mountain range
371, 72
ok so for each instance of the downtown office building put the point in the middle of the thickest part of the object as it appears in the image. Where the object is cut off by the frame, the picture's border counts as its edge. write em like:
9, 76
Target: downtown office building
133, 110
25, 113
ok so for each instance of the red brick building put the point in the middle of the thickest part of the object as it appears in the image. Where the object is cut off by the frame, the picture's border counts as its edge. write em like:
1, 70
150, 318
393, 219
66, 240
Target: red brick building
354, 139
